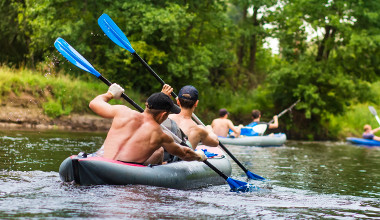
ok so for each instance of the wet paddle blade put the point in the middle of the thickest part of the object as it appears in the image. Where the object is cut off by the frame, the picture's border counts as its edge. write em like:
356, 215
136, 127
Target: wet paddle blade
240, 186
114, 33
372, 110
74, 57
254, 176
260, 128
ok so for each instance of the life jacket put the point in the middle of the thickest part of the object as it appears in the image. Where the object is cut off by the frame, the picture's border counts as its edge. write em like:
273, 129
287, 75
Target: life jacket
252, 130
173, 127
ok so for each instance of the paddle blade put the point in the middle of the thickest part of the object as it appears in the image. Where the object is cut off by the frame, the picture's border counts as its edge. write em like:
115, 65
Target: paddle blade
260, 128
74, 57
114, 33
254, 176
240, 186
372, 110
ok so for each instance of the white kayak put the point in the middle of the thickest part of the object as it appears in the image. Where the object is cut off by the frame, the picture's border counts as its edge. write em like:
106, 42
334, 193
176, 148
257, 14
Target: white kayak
261, 141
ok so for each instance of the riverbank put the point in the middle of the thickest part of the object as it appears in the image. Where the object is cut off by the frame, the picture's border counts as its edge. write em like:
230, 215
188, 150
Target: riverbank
12, 117
30, 100
25, 111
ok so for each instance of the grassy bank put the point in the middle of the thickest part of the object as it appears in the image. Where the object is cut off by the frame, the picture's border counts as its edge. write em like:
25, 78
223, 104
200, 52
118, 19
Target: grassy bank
58, 94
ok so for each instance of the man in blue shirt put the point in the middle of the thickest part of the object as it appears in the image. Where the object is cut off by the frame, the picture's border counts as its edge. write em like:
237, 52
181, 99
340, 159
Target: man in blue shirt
256, 116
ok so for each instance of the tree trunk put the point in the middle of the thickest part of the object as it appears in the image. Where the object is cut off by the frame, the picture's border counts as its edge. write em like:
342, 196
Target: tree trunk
326, 44
253, 44
240, 52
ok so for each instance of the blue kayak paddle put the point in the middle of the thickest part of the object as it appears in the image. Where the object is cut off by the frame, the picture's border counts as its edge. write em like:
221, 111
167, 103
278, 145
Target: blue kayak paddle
117, 36
78, 60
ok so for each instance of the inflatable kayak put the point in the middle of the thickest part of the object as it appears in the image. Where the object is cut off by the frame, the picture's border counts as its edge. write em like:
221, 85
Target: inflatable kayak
363, 142
261, 141
177, 175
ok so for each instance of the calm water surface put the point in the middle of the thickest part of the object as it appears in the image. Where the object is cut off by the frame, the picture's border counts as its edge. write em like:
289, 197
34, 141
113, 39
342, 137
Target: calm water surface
308, 180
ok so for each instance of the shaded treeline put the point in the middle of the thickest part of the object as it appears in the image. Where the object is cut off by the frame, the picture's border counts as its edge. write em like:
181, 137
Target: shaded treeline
329, 51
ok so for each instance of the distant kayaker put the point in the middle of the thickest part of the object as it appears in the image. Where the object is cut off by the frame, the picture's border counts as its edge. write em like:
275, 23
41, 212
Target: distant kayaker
256, 117
188, 100
222, 125
137, 137
369, 133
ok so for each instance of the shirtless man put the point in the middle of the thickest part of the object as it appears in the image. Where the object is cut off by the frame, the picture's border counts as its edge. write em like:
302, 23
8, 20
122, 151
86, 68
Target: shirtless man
188, 101
222, 125
137, 137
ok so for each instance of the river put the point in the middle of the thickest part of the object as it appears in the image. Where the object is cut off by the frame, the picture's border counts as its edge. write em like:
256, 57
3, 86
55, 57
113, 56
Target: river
333, 180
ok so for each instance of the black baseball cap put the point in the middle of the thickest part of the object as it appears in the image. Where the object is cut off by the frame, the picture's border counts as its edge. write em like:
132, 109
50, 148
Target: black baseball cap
161, 101
188, 92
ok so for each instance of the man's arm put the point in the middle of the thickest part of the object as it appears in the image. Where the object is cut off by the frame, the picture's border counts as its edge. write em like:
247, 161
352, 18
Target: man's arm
100, 103
233, 128
275, 123
375, 130
208, 137
185, 153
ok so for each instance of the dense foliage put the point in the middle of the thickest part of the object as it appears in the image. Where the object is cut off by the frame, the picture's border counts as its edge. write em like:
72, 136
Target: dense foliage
329, 51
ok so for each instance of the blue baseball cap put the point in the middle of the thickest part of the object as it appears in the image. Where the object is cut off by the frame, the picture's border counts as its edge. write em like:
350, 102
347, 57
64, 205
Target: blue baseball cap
188, 92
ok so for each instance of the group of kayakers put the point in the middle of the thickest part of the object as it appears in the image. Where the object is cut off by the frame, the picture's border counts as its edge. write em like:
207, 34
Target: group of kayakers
136, 137
223, 127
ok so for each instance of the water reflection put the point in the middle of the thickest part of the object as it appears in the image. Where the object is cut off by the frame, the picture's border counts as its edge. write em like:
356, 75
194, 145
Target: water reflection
309, 180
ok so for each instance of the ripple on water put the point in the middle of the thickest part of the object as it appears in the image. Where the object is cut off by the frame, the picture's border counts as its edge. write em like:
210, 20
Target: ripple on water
304, 184
41, 194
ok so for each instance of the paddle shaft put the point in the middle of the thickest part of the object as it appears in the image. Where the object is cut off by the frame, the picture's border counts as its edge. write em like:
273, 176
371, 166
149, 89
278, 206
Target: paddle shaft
196, 119
216, 170
108, 83
152, 71
285, 111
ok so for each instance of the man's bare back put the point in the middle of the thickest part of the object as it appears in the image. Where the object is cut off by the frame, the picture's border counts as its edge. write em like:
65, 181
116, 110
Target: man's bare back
194, 132
131, 130
221, 126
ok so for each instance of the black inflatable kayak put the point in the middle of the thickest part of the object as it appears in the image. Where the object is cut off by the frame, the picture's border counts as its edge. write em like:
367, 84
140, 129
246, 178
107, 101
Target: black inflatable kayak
178, 175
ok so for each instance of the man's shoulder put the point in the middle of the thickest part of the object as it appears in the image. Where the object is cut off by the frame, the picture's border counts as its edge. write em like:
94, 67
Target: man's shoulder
222, 120
122, 109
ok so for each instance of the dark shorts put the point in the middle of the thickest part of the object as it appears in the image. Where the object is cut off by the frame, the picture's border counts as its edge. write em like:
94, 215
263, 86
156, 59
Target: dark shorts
131, 162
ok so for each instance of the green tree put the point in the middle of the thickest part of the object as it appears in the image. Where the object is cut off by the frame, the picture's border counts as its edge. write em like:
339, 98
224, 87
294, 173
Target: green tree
250, 19
316, 70
13, 38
